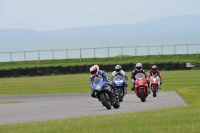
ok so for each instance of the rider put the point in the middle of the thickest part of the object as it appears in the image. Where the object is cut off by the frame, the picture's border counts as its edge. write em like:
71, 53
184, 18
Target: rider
154, 70
118, 70
95, 72
138, 69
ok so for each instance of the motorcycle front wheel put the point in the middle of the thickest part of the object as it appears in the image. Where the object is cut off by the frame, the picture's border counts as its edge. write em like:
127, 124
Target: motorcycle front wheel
105, 100
154, 91
142, 95
120, 95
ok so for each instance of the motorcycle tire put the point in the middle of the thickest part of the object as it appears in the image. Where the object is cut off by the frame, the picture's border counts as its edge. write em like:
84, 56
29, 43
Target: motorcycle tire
120, 95
142, 95
105, 100
116, 105
154, 91
120, 99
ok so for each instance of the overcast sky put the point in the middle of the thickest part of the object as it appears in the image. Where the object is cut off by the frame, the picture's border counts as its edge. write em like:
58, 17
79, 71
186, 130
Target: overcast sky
47, 15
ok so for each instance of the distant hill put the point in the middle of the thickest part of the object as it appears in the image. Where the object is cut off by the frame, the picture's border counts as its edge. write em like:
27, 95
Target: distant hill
170, 30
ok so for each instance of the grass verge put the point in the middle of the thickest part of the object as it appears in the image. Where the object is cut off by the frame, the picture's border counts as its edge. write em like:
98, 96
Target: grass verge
172, 120
11, 102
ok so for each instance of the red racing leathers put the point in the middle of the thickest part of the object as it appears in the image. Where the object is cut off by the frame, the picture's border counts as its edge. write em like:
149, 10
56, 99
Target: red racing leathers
157, 72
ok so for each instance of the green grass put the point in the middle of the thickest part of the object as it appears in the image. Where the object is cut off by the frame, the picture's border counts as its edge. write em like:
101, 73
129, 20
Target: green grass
79, 83
45, 84
112, 60
185, 119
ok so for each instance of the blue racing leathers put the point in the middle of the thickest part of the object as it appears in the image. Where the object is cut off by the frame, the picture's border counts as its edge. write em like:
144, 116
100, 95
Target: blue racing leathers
101, 74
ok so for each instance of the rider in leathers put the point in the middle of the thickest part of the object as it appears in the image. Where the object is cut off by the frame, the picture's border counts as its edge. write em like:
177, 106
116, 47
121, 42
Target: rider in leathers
95, 72
138, 69
118, 70
154, 70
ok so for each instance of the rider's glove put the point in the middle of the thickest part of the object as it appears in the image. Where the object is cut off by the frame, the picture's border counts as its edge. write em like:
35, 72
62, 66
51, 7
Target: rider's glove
160, 82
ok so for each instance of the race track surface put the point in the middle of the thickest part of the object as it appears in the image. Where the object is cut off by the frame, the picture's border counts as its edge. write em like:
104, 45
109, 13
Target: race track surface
55, 106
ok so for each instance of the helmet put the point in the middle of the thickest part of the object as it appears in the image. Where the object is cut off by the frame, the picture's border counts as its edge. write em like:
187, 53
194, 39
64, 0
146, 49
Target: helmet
118, 68
154, 68
138, 66
94, 70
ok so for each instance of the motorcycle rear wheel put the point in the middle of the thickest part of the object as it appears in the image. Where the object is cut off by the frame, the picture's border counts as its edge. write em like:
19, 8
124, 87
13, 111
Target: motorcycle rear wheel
120, 99
116, 105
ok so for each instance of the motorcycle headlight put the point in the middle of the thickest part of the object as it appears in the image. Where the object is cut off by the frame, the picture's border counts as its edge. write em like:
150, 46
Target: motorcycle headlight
118, 81
98, 88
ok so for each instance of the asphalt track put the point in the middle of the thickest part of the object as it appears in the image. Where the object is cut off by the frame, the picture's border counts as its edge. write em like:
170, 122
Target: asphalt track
56, 106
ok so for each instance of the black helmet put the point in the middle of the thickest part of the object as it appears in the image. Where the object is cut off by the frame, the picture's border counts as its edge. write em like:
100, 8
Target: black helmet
118, 68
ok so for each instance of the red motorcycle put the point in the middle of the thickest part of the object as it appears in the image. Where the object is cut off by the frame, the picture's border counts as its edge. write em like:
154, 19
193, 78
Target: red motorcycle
154, 84
141, 86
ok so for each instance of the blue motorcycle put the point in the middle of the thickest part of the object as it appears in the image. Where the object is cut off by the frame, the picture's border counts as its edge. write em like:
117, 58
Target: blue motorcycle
105, 93
119, 83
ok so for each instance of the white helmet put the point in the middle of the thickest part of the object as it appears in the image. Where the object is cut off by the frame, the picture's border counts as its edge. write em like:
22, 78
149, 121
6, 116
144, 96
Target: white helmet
138, 66
118, 68
94, 70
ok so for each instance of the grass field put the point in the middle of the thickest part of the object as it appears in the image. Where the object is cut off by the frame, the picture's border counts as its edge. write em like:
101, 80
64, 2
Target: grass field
184, 119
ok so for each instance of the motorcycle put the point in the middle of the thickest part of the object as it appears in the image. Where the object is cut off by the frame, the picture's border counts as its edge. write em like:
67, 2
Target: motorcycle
105, 93
141, 86
119, 83
154, 84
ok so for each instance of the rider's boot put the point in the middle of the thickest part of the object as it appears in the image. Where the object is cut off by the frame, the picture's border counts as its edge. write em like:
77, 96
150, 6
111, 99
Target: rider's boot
113, 88
133, 88
149, 89
125, 92
93, 94
115, 91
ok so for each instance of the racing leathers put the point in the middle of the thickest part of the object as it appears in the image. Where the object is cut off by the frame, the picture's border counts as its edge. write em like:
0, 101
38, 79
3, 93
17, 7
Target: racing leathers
101, 74
157, 72
121, 72
134, 72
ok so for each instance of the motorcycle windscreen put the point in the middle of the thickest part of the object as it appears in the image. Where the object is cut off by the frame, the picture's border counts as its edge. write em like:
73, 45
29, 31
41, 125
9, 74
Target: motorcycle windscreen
139, 75
154, 76
97, 83
118, 77
118, 80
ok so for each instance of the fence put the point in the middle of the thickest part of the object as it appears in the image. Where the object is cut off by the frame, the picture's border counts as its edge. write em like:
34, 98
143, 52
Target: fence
99, 52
